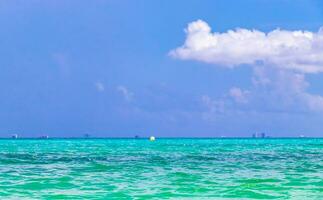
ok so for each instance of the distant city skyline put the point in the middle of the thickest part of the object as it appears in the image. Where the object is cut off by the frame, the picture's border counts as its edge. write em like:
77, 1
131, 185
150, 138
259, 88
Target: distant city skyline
163, 68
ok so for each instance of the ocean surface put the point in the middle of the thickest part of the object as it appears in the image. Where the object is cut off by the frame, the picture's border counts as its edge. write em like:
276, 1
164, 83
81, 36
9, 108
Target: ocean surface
163, 169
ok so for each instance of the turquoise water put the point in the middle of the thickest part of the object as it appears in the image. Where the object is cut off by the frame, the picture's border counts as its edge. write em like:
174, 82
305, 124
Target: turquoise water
166, 168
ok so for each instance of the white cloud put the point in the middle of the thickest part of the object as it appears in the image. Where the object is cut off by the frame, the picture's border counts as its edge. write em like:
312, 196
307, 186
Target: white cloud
99, 86
240, 96
280, 60
125, 92
300, 51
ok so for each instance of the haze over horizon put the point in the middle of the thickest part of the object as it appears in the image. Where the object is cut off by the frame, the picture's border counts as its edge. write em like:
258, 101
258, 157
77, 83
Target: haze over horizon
169, 69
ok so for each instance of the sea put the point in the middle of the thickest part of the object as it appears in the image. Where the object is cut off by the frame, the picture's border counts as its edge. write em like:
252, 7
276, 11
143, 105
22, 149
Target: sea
187, 168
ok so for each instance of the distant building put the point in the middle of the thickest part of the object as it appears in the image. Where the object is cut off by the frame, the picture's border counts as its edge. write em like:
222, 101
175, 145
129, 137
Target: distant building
256, 135
14, 136
136, 136
86, 135
262, 135
44, 137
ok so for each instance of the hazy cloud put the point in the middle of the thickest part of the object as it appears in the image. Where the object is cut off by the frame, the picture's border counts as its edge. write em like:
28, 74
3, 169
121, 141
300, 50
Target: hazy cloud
284, 90
128, 96
239, 95
62, 63
99, 86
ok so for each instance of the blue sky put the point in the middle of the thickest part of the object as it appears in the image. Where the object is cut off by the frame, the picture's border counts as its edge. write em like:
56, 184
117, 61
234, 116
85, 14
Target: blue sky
106, 68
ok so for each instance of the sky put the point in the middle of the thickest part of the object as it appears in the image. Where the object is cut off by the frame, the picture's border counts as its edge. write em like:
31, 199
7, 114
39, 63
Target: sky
185, 68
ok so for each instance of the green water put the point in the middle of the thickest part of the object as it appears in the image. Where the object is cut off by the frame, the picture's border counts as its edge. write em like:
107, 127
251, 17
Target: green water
164, 169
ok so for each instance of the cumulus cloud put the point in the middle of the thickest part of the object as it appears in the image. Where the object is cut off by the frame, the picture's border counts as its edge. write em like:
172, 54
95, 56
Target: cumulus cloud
280, 60
128, 96
300, 51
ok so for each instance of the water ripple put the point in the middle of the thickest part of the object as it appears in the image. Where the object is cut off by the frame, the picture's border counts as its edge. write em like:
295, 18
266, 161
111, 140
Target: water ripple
166, 168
